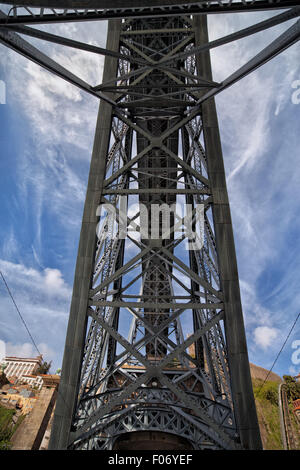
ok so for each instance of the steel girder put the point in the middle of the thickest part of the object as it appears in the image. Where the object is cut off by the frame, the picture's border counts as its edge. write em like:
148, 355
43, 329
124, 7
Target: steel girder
48, 11
129, 364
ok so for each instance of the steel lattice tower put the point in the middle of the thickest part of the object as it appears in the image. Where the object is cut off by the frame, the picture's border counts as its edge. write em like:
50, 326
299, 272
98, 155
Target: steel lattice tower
155, 354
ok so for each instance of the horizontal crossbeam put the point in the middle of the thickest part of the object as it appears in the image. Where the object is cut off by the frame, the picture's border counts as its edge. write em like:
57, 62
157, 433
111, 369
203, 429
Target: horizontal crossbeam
56, 11
158, 305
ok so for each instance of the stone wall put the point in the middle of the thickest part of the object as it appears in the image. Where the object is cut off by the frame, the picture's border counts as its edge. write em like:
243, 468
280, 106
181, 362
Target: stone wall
30, 433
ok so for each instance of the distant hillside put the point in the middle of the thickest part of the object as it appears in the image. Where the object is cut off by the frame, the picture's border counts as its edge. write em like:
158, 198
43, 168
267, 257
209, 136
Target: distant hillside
261, 374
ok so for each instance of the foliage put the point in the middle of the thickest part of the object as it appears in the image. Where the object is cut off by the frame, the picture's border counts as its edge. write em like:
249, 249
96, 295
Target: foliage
267, 391
267, 406
266, 400
44, 368
6, 427
292, 388
3, 379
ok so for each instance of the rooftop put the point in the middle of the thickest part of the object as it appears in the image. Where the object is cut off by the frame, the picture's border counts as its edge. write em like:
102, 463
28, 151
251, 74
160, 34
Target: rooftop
22, 359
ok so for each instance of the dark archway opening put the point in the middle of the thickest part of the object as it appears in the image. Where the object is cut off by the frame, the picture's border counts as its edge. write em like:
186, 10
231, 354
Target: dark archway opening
151, 440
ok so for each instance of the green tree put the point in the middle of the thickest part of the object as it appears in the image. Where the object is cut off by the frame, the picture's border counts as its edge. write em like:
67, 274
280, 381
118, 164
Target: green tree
292, 388
44, 368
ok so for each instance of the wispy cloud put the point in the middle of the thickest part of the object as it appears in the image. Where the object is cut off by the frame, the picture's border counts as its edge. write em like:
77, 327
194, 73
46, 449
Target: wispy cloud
52, 168
50, 180
259, 133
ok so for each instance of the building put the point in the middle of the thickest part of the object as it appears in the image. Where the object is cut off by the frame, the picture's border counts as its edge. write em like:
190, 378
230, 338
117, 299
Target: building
35, 381
17, 367
296, 409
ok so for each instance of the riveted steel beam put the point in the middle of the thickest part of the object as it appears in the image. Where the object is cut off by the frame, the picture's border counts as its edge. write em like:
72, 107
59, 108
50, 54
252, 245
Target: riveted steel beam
48, 11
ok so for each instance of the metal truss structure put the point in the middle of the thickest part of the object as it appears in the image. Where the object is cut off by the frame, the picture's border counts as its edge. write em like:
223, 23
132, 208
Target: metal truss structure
44, 11
156, 340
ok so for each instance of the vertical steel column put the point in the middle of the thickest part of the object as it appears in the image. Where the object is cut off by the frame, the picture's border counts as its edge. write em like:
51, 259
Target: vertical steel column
75, 340
242, 392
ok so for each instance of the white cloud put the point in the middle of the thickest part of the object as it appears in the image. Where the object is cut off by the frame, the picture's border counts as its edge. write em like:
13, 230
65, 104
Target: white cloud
51, 103
34, 284
28, 350
48, 84
265, 336
54, 280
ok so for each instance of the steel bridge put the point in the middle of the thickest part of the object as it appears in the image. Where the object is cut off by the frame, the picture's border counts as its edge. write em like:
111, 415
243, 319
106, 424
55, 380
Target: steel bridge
132, 378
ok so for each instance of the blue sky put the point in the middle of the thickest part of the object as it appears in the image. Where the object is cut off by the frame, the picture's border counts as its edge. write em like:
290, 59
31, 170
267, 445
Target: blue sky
46, 136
